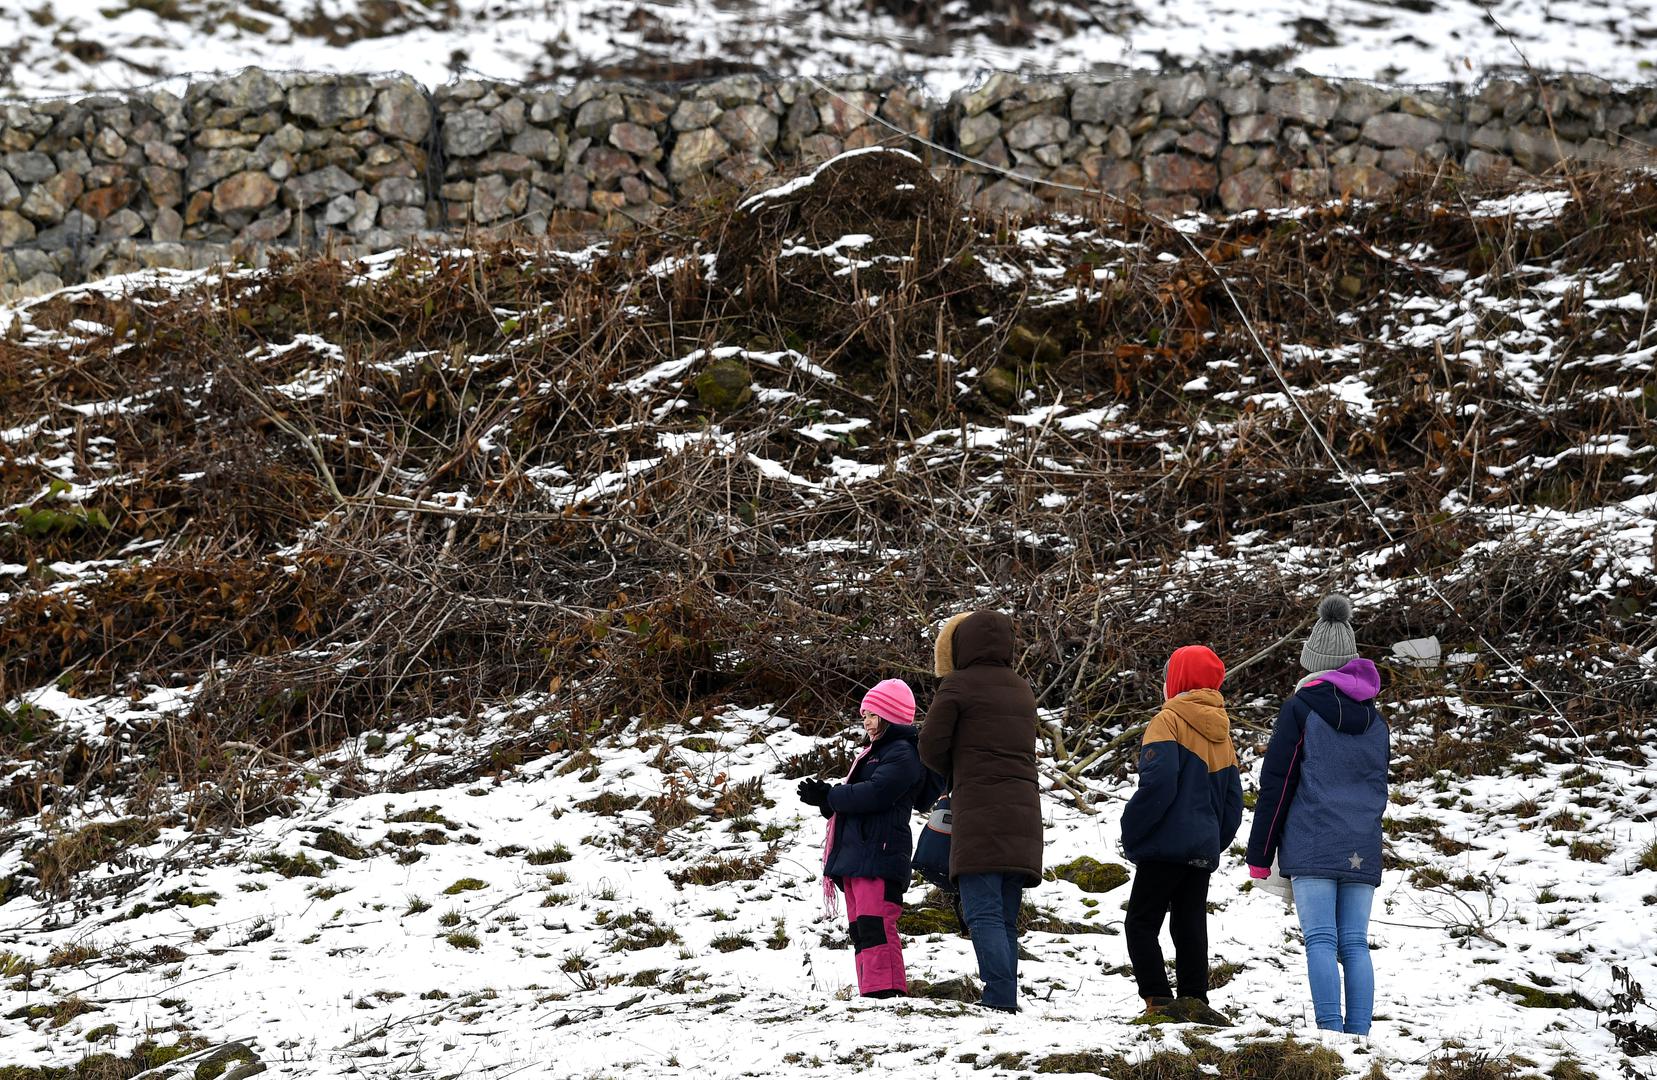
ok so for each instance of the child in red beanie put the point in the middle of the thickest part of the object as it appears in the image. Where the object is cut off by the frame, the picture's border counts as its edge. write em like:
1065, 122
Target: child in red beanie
866, 855
1187, 809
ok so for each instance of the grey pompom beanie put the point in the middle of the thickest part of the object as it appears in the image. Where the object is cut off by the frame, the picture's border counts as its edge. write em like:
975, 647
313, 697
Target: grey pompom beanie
1331, 645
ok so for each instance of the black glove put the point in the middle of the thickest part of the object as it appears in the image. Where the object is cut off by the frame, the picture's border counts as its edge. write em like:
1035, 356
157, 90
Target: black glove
815, 793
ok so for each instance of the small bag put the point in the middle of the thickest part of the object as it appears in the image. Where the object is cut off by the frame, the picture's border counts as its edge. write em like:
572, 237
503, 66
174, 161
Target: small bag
931, 859
1278, 885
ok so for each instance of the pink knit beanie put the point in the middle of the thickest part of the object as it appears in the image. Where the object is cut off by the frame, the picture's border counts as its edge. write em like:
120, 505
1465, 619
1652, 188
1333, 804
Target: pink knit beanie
891, 700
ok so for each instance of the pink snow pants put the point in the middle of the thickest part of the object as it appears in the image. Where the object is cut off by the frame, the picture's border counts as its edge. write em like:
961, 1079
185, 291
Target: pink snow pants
873, 907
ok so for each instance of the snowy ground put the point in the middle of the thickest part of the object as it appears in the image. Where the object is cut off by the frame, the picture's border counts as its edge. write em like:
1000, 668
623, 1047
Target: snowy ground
359, 970
74, 46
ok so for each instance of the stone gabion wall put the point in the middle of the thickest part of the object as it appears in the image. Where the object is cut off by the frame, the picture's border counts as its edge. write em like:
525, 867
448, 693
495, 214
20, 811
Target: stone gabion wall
239, 165
108, 184
1242, 140
603, 154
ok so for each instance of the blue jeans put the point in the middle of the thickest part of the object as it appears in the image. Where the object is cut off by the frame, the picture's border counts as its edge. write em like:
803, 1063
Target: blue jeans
1334, 920
990, 905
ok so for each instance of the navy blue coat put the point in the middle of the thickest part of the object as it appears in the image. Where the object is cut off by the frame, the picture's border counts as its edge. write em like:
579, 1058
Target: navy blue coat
1323, 784
873, 809
1189, 804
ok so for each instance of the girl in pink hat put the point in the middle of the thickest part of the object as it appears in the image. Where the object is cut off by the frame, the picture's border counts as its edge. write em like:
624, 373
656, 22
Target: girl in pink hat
866, 855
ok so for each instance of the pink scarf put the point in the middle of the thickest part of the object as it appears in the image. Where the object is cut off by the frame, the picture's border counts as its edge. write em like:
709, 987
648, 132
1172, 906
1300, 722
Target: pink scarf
831, 901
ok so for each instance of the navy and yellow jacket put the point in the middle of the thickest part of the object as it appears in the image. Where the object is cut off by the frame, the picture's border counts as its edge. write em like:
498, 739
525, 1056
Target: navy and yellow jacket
1190, 799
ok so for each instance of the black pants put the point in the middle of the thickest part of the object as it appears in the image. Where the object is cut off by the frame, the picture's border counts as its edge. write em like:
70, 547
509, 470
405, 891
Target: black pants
1161, 889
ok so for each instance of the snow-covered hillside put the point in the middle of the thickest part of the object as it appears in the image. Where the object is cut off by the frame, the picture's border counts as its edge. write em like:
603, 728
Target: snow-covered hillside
408, 664
76, 46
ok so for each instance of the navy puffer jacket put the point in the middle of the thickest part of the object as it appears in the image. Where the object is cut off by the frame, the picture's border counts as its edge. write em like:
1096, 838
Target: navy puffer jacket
1189, 804
1323, 784
873, 808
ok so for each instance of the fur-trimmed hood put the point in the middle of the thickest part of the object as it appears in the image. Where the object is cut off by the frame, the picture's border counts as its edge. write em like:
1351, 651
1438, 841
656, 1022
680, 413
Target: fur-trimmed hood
973, 637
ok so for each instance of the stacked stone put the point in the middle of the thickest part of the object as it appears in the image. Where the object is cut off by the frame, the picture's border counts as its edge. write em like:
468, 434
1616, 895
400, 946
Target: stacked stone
1243, 139
1299, 138
521, 161
1171, 128
607, 154
820, 121
728, 132
78, 178
306, 161
501, 154
1571, 117
1153, 138
616, 163
1008, 124
109, 184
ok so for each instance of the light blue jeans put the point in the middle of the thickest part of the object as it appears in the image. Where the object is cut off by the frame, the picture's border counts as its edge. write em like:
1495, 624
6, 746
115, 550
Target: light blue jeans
1334, 920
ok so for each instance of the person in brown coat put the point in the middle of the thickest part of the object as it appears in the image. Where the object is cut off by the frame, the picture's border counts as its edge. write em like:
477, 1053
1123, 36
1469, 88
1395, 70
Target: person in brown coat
980, 733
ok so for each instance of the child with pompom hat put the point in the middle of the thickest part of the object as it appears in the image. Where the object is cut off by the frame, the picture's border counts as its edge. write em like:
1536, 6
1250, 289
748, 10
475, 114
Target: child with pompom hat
866, 855
1323, 792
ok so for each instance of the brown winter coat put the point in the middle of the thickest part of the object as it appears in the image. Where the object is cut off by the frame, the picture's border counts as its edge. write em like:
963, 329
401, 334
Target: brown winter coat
981, 733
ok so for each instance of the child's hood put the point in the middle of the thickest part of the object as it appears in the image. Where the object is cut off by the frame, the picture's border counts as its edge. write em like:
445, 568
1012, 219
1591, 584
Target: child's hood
1204, 711
1358, 680
899, 732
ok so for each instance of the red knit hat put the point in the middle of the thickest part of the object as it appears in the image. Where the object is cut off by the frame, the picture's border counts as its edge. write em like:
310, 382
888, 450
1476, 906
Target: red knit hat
1193, 667
891, 700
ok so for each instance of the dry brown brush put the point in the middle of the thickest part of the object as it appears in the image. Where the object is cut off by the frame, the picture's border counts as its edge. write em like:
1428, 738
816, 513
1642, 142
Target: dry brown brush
344, 498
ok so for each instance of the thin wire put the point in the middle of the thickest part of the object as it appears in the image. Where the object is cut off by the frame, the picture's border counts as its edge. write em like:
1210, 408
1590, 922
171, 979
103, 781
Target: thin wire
1329, 451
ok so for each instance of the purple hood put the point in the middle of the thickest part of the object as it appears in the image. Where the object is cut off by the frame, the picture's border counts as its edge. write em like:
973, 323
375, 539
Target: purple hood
1358, 680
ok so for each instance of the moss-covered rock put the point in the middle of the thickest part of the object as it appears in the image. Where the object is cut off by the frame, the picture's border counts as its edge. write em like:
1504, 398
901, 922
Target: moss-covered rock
921, 921
1000, 385
1535, 997
1186, 1011
230, 1058
961, 989
1092, 876
723, 386
1033, 346
1080, 1061
335, 842
151, 1055
465, 884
